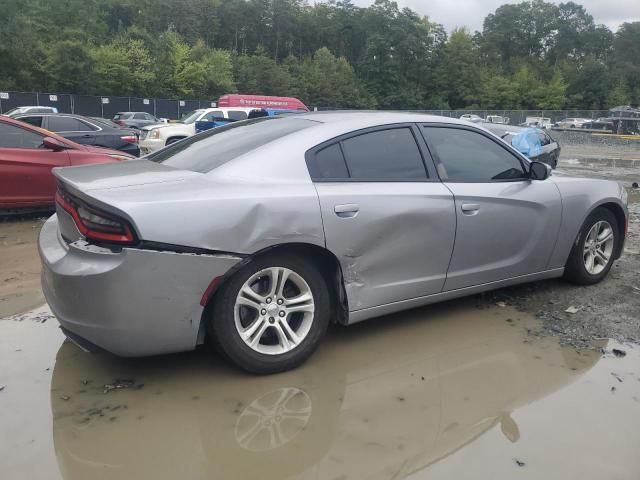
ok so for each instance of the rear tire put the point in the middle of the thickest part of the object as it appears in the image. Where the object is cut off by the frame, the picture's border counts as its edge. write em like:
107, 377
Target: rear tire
270, 315
594, 250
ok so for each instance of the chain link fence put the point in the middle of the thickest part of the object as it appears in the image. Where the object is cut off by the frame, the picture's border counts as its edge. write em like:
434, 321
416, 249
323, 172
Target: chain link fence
106, 107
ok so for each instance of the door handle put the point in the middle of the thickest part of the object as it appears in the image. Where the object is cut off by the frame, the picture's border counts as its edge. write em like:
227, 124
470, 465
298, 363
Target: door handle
470, 208
346, 210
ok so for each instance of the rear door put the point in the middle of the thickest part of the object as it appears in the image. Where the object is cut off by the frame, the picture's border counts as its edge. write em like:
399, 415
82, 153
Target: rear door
507, 223
25, 168
72, 128
386, 216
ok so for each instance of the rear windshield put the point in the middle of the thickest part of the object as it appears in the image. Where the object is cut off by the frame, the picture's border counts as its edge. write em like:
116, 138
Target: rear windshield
212, 148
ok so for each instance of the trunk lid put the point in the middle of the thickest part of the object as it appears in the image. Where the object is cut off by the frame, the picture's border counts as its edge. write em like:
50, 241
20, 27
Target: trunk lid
117, 175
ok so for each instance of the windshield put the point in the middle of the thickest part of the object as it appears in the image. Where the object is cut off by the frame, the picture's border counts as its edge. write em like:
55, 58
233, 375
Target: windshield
212, 148
191, 116
13, 111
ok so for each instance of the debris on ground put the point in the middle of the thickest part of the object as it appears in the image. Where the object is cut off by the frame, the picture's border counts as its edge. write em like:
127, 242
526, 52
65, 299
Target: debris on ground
572, 309
65, 397
122, 383
619, 353
501, 304
520, 463
2, 387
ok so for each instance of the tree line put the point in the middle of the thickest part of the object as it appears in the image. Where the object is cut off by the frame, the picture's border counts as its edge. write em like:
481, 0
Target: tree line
530, 55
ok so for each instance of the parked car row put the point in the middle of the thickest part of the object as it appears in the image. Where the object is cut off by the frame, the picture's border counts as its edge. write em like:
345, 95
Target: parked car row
84, 130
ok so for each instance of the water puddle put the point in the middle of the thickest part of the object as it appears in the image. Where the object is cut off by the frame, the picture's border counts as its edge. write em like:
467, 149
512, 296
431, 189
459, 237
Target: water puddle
448, 391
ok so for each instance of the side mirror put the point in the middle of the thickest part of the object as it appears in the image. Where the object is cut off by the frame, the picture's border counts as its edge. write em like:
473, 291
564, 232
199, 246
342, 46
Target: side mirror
539, 171
51, 143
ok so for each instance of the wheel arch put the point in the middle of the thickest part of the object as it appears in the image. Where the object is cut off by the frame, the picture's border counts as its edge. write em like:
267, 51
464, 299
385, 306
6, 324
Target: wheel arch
618, 212
324, 259
621, 218
174, 138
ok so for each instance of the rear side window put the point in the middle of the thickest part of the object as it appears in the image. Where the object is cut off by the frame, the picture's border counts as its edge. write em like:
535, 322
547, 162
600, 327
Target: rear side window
140, 116
67, 124
384, 155
237, 115
217, 146
467, 156
329, 163
16, 137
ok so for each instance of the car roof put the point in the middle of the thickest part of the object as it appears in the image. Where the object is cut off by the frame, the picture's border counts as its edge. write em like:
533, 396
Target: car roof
363, 119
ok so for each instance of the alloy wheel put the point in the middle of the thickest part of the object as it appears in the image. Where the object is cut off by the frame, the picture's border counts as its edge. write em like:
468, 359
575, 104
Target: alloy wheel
598, 247
274, 311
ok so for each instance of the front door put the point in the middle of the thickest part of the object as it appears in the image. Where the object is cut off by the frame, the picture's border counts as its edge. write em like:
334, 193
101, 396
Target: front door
390, 222
25, 168
507, 223
72, 128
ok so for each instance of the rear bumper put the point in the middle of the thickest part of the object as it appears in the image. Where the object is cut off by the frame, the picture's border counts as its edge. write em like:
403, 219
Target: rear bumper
130, 303
131, 149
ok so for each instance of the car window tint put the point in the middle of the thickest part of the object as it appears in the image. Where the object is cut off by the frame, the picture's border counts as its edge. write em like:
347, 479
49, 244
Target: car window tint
217, 146
35, 121
384, 155
237, 115
544, 139
209, 116
148, 116
329, 163
16, 137
139, 116
67, 124
469, 156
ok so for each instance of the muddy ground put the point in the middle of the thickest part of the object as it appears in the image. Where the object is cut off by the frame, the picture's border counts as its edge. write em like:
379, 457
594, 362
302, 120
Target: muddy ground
501, 385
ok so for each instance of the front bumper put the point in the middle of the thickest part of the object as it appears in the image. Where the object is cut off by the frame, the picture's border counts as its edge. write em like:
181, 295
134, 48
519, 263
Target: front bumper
149, 145
131, 303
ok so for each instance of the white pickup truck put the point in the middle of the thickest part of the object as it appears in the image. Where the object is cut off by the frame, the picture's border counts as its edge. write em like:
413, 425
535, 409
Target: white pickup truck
155, 137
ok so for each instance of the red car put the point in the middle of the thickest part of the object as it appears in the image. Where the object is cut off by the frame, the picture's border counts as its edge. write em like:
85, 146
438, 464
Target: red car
27, 155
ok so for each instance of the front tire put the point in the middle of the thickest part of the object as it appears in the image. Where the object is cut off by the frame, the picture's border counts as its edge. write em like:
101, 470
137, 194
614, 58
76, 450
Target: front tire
594, 249
270, 315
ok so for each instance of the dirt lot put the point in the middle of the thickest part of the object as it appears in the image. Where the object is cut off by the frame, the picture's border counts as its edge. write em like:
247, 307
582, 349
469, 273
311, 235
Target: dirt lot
501, 385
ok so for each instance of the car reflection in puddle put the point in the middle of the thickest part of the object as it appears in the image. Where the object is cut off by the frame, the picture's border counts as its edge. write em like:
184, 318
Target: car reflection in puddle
379, 400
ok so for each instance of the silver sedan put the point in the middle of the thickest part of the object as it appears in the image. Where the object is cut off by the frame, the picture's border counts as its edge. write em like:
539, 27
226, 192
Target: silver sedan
260, 233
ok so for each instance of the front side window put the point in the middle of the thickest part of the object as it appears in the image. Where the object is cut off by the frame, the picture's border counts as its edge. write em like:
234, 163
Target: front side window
384, 155
211, 116
140, 116
67, 124
217, 146
468, 156
16, 137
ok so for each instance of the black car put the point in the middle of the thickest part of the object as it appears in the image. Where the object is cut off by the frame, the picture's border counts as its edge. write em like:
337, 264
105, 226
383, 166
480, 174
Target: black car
86, 131
135, 119
549, 148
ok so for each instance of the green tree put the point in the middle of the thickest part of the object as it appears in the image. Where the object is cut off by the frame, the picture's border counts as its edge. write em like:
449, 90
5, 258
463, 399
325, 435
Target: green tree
123, 67
461, 71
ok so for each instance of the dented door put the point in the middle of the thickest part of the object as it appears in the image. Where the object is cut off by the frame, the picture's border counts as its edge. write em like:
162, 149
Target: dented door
393, 239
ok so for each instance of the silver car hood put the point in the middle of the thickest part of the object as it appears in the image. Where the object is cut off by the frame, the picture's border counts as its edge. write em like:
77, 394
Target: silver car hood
121, 174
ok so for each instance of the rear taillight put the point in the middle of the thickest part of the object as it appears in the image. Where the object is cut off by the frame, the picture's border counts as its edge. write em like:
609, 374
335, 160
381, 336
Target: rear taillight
95, 224
129, 138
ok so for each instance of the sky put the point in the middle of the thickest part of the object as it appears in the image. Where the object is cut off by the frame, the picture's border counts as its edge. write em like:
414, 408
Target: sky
471, 13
